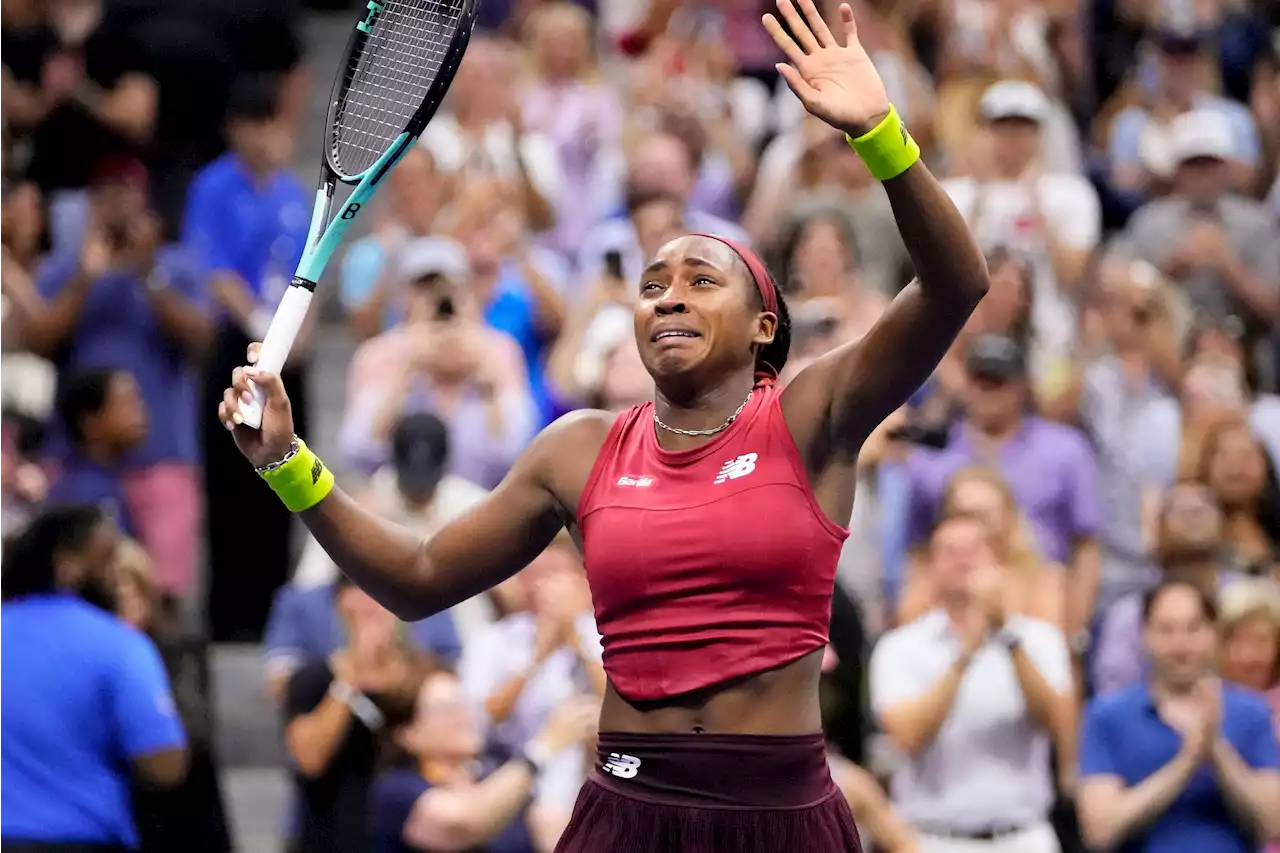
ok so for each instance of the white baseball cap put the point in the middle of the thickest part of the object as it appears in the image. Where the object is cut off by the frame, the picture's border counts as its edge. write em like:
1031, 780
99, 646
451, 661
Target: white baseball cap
1201, 133
1013, 99
424, 256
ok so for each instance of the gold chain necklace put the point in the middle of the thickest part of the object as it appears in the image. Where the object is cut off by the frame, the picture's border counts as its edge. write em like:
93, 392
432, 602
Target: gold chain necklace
714, 430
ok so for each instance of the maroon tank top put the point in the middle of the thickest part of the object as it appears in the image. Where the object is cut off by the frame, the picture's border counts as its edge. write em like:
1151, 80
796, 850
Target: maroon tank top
705, 564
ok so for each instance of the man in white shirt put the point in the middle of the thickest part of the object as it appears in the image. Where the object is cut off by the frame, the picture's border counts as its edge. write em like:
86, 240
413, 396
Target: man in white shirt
971, 694
1053, 219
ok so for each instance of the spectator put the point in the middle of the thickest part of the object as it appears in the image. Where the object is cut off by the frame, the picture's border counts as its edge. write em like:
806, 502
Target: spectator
823, 278
1222, 249
1111, 394
658, 164
970, 693
1144, 139
92, 709
439, 796
568, 103
441, 358
1182, 762
482, 135
1250, 623
1049, 467
1031, 586
415, 491
127, 302
1013, 200
1188, 547
306, 627
77, 82
517, 287
246, 219
106, 417
1234, 464
333, 711
532, 660
415, 193
190, 816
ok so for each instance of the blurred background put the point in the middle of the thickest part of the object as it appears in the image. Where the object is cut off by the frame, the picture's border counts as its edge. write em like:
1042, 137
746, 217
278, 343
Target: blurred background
1116, 159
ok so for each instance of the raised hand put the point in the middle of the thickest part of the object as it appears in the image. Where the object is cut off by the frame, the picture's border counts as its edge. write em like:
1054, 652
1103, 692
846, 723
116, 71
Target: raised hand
273, 439
837, 83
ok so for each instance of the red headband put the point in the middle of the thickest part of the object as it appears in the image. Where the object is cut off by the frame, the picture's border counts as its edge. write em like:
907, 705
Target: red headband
759, 272
767, 374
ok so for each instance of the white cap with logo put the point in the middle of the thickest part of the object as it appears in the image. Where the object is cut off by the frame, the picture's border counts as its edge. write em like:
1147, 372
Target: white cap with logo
424, 256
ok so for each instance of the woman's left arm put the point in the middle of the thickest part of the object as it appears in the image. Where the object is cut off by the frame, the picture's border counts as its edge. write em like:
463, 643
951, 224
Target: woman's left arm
835, 403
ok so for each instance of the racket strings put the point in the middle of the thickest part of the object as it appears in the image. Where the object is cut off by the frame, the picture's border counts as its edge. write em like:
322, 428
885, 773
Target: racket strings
390, 77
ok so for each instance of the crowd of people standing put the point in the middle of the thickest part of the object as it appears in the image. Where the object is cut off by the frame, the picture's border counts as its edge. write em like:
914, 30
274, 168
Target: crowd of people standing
1063, 577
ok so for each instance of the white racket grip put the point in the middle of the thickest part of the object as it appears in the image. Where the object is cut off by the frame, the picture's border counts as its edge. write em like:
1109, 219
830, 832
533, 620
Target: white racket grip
283, 331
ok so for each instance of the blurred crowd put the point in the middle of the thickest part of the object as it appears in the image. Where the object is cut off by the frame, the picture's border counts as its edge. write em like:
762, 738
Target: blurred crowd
1063, 578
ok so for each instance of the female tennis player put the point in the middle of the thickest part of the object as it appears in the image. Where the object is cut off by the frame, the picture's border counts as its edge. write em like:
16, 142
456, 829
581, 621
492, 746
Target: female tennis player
710, 519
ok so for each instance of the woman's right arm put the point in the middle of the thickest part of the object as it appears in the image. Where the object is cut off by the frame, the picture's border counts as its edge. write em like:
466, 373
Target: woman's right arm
495, 539
414, 579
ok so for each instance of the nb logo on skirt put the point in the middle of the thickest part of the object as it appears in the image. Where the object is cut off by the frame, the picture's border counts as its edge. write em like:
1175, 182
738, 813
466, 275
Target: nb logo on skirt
622, 766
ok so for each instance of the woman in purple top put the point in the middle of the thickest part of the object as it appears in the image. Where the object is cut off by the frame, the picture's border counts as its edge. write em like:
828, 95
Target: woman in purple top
438, 796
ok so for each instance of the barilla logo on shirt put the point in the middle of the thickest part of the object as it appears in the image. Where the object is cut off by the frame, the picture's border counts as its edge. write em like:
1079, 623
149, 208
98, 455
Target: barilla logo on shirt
637, 482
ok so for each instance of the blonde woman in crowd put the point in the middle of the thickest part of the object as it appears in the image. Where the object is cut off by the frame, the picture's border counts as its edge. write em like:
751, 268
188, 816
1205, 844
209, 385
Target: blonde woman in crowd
1032, 586
1249, 614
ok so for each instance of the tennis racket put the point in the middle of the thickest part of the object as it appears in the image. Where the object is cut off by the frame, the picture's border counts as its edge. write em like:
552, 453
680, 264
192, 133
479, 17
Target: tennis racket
400, 60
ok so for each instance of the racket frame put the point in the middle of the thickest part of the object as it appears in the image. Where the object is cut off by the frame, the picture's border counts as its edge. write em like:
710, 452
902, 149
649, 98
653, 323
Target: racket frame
325, 234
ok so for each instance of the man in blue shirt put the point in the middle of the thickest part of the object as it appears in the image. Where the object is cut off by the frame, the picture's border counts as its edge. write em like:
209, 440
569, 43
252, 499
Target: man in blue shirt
124, 301
106, 418
246, 220
1182, 763
87, 704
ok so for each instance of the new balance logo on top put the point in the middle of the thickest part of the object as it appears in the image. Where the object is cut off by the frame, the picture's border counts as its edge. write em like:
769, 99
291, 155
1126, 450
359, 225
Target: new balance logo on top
638, 482
622, 766
735, 468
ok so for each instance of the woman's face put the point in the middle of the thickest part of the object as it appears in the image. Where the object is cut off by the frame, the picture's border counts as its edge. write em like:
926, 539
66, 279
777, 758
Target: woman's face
1249, 653
444, 725
821, 260
979, 498
1237, 469
698, 316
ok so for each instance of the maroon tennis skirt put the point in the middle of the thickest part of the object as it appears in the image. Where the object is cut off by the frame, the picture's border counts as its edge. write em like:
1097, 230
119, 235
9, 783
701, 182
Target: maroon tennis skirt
690, 793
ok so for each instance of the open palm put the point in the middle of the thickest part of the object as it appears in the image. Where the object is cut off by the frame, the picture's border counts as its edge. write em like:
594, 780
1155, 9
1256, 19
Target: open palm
837, 83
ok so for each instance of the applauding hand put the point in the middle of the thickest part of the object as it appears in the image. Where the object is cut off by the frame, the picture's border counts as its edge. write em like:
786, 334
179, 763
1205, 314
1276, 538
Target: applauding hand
837, 83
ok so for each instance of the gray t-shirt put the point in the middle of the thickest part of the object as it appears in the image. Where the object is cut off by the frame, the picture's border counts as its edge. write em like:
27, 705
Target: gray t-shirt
1158, 229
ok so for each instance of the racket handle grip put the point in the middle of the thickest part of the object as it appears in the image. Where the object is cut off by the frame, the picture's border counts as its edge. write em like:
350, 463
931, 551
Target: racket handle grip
283, 331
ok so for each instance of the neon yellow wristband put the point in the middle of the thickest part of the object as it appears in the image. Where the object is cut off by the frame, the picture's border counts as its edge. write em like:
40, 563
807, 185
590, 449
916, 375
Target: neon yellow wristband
300, 480
887, 149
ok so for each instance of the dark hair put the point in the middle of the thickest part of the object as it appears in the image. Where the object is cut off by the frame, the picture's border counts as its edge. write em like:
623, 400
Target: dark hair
1150, 598
638, 197
81, 396
254, 97
30, 557
795, 232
